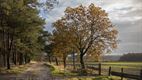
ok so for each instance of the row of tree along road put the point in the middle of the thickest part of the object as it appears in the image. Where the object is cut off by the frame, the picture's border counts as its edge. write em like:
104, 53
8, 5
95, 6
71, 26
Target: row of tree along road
21, 31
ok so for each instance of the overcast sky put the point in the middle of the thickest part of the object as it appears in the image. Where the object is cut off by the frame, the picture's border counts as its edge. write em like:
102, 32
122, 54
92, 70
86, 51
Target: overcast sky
125, 14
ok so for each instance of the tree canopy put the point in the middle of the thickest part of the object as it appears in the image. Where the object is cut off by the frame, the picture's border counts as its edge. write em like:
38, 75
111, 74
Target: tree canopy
20, 29
87, 30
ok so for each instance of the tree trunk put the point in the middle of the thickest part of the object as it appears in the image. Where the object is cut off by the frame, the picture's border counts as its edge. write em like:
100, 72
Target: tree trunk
56, 61
9, 47
1, 57
73, 60
64, 60
20, 58
8, 51
25, 58
8, 60
3, 38
4, 46
29, 59
82, 61
14, 55
15, 58
4, 59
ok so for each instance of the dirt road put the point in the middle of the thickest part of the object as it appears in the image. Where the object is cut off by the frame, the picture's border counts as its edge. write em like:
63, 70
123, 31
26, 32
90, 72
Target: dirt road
36, 71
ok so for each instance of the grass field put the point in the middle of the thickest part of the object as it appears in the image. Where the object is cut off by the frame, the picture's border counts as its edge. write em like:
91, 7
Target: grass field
129, 67
61, 72
96, 78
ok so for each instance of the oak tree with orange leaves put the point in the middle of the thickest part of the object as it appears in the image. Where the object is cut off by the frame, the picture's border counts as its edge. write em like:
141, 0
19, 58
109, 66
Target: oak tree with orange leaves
88, 30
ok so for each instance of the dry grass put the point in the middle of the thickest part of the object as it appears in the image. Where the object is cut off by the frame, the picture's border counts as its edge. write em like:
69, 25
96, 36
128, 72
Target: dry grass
15, 69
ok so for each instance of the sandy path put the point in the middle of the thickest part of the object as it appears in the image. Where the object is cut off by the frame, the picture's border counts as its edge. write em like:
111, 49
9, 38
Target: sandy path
37, 71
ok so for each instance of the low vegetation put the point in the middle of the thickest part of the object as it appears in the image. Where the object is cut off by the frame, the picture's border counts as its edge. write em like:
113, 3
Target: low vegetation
15, 69
59, 71
97, 78
135, 57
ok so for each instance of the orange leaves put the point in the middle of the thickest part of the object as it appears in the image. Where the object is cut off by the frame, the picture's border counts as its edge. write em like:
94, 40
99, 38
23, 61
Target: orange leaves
87, 28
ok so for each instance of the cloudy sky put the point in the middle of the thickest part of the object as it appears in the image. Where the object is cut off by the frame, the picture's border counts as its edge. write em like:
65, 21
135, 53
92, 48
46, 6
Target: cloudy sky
125, 14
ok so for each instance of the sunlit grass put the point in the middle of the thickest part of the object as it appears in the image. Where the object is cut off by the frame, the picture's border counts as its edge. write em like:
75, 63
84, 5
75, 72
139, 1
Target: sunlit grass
60, 71
15, 69
137, 65
96, 78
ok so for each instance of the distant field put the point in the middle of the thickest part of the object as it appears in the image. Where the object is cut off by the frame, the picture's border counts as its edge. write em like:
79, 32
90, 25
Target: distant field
121, 64
129, 67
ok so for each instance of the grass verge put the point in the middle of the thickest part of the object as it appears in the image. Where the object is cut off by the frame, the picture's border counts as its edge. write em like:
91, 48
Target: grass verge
96, 78
15, 69
60, 71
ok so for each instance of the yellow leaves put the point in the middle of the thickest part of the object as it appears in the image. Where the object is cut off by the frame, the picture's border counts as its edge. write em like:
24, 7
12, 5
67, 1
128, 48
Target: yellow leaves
77, 10
80, 10
114, 45
69, 10
114, 31
79, 28
96, 11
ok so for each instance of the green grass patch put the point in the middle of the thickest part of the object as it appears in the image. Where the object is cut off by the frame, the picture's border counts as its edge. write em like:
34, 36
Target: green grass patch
58, 71
96, 78
137, 65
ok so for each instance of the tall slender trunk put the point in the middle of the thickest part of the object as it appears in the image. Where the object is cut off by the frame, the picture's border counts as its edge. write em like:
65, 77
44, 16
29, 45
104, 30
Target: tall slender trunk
4, 46
9, 46
25, 59
20, 58
8, 61
64, 60
15, 58
8, 51
56, 61
4, 58
1, 57
3, 37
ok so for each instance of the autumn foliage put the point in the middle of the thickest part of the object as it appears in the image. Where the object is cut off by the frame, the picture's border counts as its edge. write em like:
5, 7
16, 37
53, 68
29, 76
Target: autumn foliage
85, 30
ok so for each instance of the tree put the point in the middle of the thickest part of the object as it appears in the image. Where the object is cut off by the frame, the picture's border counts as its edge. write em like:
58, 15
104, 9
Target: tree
133, 57
48, 50
47, 5
20, 27
87, 29
60, 48
47, 44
